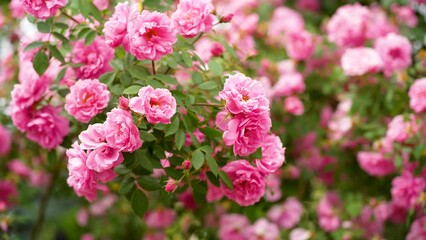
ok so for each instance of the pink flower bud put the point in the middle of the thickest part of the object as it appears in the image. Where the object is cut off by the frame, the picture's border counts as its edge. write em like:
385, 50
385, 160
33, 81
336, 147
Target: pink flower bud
170, 185
186, 164
217, 49
227, 18
123, 103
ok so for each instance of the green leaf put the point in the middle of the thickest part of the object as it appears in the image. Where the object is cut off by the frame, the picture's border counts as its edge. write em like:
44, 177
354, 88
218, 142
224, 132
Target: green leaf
215, 68
173, 173
132, 90
179, 139
211, 132
209, 85
256, 155
83, 32
154, 83
139, 202
126, 185
54, 52
107, 78
95, 12
212, 164
187, 59
213, 179
226, 180
84, 8
43, 27
33, 45
166, 79
60, 37
197, 78
121, 170
197, 159
90, 38
61, 74
40, 62
149, 183
138, 71
146, 136
418, 151
61, 25
142, 159
173, 127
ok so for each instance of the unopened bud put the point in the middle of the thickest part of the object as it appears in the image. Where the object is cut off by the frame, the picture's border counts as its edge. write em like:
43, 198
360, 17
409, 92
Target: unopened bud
226, 18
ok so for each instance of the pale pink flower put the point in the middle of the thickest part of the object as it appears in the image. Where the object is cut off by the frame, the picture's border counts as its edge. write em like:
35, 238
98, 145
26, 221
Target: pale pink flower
328, 220
171, 185
86, 99
406, 190
395, 51
18, 167
151, 36
17, 9
43, 9
248, 183
160, 218
94, 57
361, 60
272, 155
263, 229
233, 226
100, 207
47, 127
193, 17
6, 140
247, 133
197, 134
101, 4
400, 130
289, 84
93, 137
288, 214
115, 29
405, 14
273, 191
299, 44
282, 21
158, 105
379, 24
286, 66
375, 163
202, 47
104, 158
121, 132
417, 229
417, 95
222, 119
348, 26
244, 95
294, 105
300, 234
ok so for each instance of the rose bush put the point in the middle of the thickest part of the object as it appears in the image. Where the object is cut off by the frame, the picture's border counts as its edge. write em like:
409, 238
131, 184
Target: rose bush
212, 119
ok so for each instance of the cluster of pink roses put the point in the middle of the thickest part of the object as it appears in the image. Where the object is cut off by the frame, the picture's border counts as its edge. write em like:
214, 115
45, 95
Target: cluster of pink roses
93, 160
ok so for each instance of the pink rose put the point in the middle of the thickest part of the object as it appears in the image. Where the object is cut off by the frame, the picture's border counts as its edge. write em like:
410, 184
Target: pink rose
47, 127
214, 193
244, 95
309, 5
359, 61
273, 191
101, 4
17, 9
158, 105
294, 106
375, 163
328, 219
417, 95
7, 194
115, 29
160, 218
94, 58
121, 133
379, 24
232, 226
6, 140
247, 133
400, 130
248, 183
104, 158
193, 17
93, 137
86, 99
406, 190
300, 234
284, 20
405, 14
171, 185
417, 229
272, 155
43, 9
222, 120
263, 229
289, 84
288, 214
299, 44
20, 168
151, 36
348, 26
395, 51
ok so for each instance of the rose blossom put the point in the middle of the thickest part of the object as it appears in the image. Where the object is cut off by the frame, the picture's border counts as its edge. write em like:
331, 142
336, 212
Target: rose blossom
244, 95
93, 137
299, 44
115, 29
417, 95
300, 234
17, 9
395, 51
348, 26
7, 193
282, 21
375, 163
294, 106
406, 189
170, 185
263, 229
104, 158
47, 127
417, 229
288, 214
247, 133
95, 58
405, 14
248, 183
400, 130
158, 105
151, 36
272, 155
328, 220
273, 191
193, 16
359, 61
121, 132
289, 84
160, 218
43, 9
214, 193
86, 99
6, 140
232, 226
101, 4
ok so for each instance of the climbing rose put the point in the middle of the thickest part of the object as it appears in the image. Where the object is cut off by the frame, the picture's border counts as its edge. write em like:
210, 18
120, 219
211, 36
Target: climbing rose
375, 163
272, 155
115, 28
400, 130
395, 51
289, 84
263, 229
232, 226
299, 44
359, 61
406, 190
417, 229
417, 95
288, 214
43, 9
193, 17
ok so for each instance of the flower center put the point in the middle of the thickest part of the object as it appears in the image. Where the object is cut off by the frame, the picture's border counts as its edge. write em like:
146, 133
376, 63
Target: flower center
246, 98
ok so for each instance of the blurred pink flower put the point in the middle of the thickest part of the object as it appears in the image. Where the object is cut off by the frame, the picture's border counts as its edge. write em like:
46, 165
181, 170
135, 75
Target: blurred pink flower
294, 105
289, 84
375, 163
160, 218
43, 9
406, 189
233, 226
193, 17
361, 60
417, 95
299, 44
395, 51
286, 215
417, 229
263, 229
328, 219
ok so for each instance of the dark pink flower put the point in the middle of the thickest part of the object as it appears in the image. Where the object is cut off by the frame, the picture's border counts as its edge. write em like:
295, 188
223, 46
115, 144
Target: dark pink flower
43, 9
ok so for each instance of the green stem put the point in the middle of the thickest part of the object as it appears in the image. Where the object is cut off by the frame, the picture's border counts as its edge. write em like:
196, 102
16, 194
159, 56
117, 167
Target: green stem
69, 17
207, 104
153, 67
